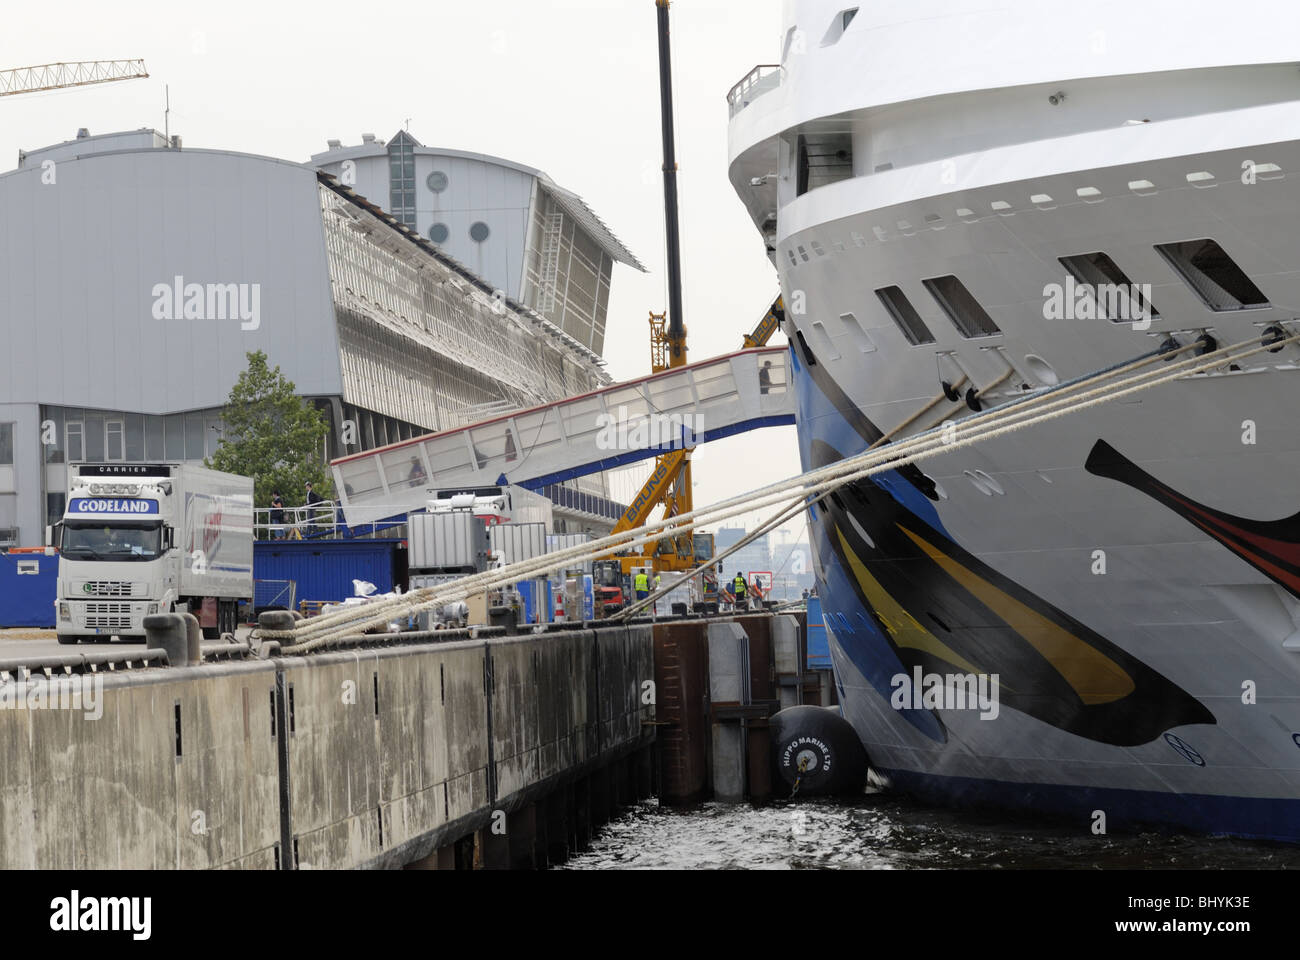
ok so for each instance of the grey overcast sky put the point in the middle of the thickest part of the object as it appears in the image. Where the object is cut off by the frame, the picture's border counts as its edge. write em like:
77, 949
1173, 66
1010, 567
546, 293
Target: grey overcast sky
568, 86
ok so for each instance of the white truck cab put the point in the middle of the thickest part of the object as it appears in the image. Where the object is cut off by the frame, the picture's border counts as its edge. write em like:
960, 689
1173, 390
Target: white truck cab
139, 539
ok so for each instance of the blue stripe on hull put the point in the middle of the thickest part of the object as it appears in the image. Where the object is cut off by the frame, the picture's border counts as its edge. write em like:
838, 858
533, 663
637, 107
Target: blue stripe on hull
1253, 818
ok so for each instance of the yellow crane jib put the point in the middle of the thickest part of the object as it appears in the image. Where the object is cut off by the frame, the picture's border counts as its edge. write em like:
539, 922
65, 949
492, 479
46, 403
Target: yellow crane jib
768, 326
667, 469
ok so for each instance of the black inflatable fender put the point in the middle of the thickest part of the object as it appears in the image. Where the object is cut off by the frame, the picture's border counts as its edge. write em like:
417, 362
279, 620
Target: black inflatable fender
826, 746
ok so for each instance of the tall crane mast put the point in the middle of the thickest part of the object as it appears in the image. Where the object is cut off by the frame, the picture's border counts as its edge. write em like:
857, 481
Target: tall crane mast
676, 326
670, 484
57, 76
668, 335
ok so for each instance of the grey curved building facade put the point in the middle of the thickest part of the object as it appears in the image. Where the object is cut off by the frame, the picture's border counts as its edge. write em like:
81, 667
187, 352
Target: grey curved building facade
135, 276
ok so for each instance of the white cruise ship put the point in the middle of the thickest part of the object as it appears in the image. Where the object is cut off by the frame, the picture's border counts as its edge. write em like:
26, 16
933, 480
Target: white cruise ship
972, 203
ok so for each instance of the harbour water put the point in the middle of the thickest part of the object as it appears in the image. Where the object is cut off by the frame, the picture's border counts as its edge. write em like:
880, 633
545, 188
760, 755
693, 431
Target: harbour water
884, 832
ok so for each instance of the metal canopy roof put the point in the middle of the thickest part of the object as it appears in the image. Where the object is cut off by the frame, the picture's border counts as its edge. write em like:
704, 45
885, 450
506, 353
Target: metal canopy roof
577, 208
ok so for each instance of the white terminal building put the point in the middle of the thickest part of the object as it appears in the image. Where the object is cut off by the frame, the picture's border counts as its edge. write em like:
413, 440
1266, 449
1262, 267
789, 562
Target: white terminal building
408, 292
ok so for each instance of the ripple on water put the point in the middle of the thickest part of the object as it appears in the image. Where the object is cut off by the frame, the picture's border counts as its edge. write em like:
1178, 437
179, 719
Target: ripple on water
890, 833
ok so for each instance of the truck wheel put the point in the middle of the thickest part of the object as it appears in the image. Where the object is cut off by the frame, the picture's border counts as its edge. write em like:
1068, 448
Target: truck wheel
68, 639
230, 622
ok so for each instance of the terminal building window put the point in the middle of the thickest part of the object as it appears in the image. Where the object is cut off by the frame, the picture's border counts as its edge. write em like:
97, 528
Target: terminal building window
75, 447
55, 447
6, 444
87, 436
8, 519
114, 440
135, 437
174, 437
153, 439
401, 179
55, 505
94, 437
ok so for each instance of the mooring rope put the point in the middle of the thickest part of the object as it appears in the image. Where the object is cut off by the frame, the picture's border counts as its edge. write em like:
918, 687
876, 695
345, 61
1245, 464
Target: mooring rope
1042, 407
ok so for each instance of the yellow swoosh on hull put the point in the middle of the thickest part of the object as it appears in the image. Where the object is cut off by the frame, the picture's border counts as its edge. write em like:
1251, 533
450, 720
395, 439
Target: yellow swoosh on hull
902, 626
1094, 676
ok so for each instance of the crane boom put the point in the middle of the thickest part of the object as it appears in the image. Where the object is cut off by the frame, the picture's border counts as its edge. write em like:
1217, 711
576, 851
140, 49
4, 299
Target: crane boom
769, 325
56, 76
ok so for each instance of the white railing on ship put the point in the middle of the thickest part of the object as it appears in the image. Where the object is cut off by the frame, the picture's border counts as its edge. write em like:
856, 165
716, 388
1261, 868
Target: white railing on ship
762, 79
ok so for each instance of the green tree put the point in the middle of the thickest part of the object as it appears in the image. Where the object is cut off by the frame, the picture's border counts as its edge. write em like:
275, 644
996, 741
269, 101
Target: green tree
274, 436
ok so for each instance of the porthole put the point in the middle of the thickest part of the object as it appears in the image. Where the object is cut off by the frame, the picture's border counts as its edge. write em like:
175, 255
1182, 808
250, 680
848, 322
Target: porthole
479, 232
437, 181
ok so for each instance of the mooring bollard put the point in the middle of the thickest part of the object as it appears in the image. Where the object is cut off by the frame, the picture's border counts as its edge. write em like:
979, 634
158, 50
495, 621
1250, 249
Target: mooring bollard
170, 633
276, 620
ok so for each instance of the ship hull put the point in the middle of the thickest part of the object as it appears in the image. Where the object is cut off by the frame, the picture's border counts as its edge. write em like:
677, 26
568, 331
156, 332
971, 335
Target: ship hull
1125, 571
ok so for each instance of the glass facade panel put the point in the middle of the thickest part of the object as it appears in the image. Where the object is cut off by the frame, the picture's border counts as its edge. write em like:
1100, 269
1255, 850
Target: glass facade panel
114, 440
6, 444
135, 437
175, 437
74, 432
52, 422
94, 437
194, 431
153, 439
55, 504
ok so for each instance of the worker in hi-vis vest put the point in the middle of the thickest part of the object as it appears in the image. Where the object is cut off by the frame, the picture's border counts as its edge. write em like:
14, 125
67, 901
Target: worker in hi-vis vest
738, 587
642, 584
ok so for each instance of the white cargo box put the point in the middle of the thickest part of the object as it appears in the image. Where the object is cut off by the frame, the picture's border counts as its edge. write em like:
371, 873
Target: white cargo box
517, 542
455, 541
564, 541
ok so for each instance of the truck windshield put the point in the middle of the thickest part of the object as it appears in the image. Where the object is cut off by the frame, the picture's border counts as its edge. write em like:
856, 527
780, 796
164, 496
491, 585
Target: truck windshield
117, 542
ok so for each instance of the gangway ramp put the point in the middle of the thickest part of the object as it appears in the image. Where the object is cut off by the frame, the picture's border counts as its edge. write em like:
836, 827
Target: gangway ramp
616, 425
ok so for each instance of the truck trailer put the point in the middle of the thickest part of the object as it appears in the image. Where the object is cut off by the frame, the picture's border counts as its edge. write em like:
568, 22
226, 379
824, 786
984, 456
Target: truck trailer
138, 539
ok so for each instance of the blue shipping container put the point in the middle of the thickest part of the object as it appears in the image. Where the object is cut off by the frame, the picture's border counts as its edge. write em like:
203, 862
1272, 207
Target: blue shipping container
324, 569
29, 582
819, 646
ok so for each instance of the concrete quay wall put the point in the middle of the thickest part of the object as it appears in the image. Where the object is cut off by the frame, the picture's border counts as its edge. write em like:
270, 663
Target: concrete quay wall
368, 757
